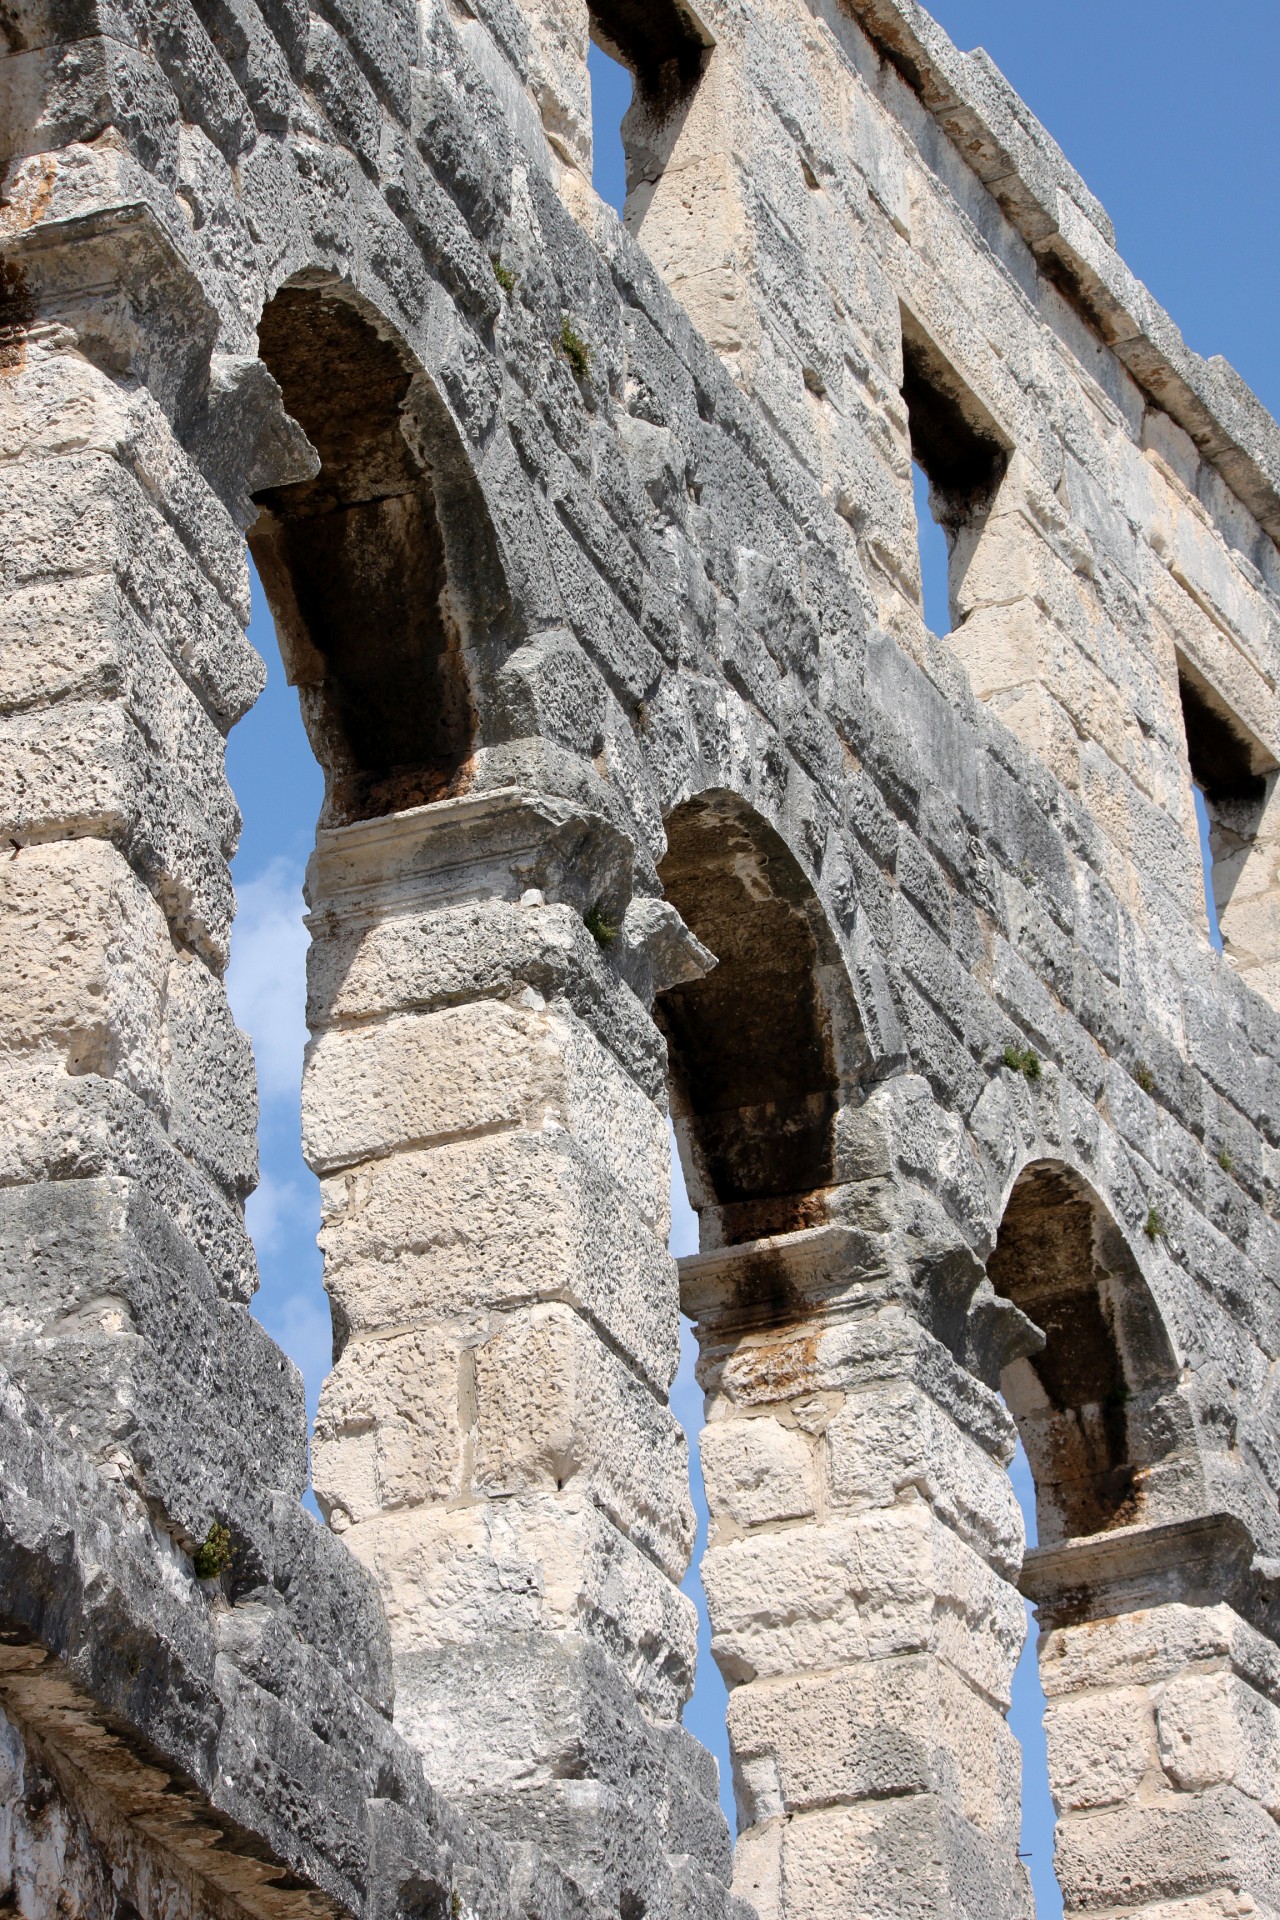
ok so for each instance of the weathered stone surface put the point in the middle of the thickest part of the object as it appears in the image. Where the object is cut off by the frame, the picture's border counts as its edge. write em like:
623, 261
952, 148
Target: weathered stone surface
594, 560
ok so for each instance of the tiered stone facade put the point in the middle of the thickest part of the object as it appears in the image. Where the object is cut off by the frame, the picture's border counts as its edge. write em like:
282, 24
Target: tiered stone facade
593, 557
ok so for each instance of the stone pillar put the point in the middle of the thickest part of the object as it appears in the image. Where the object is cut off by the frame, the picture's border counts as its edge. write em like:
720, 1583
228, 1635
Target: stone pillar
864, 1541
130, 1108
484, 1102
1163, 1720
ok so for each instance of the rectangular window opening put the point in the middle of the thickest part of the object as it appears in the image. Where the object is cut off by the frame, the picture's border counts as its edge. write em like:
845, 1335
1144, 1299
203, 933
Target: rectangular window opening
662, 42
649, 54
959, 457
1232, 775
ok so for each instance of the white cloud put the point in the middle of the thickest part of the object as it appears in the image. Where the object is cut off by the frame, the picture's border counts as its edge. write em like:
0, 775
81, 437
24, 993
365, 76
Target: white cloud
267, 978
281, 1213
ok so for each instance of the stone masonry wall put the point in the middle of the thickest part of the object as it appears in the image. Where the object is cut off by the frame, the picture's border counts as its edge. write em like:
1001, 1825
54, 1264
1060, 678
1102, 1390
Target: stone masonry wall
592, 554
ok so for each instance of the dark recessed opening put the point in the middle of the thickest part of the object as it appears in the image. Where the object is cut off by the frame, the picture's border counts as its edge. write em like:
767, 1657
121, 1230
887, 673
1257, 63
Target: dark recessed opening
659, 40
1092, 1408
957, 447
1225, 764
752, 1051
1232, 773
354, 565
953, 438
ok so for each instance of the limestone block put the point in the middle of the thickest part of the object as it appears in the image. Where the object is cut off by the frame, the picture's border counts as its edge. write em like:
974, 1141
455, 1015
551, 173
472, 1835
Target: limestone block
553, 1403
1224, 1904
882, 1858
891, 1581
522, 1710
497, 1222
543, 1564
892, 1438
210, 1079
57, 638
557, 78
1194, 1844
1002, 647
757, 1869
109, 1297
871, 1345
1004, 561
416, 961
1138, 1648
389, 1427
1101, 1746
83, 768
1215, 1729
417, 1080
883, 1728
85, 517
84, 956
755, 1472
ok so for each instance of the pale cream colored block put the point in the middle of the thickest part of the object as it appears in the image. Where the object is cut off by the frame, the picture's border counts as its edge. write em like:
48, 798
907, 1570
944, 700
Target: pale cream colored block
878, 1859
58, 638
498, 1222
890, 1581
1001, 647
539, 1563
389, 1427
84, 957
883, 1728
1214, 1729
755, 1472
554, 1405
1150, 1644
892, 1440
757, 1869
1101, 1746
418, 1080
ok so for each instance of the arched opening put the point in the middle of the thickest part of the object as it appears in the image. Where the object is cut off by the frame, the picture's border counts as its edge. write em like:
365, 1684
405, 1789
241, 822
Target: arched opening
1096, 1418
1094, 1406
354, 561
760, 1047
372, 583
762, 1053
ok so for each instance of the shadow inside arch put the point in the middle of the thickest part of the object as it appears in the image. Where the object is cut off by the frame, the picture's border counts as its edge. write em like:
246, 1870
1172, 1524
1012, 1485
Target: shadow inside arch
766, 1048
382, 570
1097, 1408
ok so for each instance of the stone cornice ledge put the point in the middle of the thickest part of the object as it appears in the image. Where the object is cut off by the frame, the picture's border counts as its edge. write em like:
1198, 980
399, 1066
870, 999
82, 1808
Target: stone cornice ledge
1067, 228
1199, 1561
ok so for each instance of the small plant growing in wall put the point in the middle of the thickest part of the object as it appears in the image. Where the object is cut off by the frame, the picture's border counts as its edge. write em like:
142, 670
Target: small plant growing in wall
602, 930
1153, 1226
575, 349
1225, 1161
505, 278
1023, 1060
1144, 1076
214, 1556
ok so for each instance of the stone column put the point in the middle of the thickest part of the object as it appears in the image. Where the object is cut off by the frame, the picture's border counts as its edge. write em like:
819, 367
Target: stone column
484, 1102
864, 1541
1163, 1719
129, 1140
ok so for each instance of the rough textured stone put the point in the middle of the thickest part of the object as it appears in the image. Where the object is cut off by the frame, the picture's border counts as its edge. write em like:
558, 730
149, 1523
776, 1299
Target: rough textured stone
592, 552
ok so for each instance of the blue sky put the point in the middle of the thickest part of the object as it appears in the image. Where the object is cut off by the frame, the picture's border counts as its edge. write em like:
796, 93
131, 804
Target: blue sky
1167, 109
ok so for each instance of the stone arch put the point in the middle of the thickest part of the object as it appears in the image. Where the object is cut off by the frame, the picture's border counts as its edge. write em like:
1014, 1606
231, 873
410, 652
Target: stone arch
1096, 1407
382, 568
764, 1049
